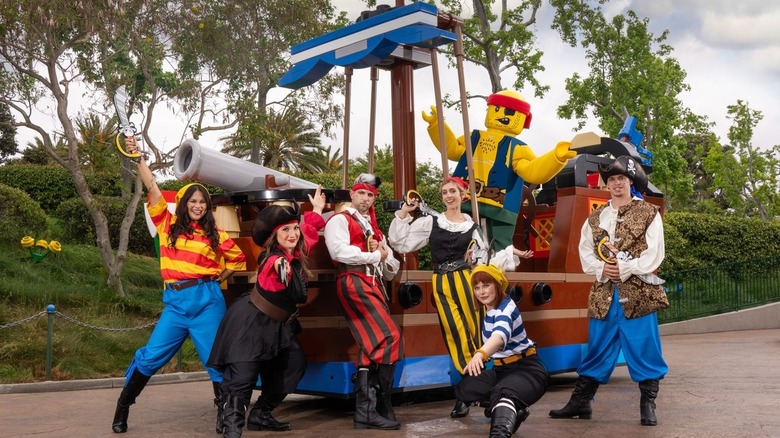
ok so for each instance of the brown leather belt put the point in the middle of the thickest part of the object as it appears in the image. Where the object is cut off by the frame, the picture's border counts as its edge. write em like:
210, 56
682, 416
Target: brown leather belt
271, 309
179, 285
514, 358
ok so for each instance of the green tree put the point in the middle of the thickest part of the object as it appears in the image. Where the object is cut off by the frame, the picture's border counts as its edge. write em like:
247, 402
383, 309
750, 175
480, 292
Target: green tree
329, 161
45, 50
499, 36
744, 176
35, 153
288, 141
697, 139
238, 50
8, 145
428, 175
632, 72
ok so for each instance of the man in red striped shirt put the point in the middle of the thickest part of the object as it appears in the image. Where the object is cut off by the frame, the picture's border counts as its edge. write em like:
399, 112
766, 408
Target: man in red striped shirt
363, 261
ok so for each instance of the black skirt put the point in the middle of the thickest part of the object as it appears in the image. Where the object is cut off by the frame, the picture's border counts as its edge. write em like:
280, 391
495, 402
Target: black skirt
248, 335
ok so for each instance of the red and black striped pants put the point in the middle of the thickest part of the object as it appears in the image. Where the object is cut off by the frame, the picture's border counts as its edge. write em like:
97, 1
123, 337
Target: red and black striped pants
369, 320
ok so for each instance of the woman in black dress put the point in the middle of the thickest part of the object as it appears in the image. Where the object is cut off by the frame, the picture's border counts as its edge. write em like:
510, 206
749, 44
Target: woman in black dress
257, 336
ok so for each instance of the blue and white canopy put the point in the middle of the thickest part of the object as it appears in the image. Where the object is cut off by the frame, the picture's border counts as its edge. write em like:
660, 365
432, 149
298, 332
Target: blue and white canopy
365, 43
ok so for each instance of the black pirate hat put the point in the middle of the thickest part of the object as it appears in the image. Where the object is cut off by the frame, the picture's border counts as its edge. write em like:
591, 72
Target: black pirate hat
628, 166
271, 217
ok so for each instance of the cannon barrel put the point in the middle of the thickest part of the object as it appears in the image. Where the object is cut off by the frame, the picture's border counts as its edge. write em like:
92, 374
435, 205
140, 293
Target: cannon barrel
193, 161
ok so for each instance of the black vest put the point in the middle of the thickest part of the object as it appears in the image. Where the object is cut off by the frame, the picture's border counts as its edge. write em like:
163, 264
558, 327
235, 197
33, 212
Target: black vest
448, 246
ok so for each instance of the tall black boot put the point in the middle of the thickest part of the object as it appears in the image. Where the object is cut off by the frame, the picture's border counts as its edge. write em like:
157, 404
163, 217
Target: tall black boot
260, 417
131, 390
233, 416
384, 376
366, 416
649, 390
579, 403
506, 417
219, 402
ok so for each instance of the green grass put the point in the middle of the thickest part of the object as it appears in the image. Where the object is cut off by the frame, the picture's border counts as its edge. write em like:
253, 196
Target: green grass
74, 282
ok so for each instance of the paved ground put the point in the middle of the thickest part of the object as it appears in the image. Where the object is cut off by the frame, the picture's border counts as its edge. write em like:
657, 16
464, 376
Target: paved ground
719, 385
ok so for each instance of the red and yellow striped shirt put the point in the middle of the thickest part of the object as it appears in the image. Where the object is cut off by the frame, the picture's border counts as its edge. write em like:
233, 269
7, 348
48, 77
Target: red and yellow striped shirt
192, 256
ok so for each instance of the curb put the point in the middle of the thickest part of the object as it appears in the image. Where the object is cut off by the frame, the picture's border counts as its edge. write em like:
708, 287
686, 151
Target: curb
113, 382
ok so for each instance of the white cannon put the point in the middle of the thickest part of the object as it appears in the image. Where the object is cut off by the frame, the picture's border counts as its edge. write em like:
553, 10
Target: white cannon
194, 162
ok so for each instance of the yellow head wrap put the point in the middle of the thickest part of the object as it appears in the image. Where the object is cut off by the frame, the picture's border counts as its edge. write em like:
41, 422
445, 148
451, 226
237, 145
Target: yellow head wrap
180, 193
494, 272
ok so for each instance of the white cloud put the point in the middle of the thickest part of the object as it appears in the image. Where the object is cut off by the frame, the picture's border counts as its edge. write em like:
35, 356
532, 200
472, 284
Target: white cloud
718, 76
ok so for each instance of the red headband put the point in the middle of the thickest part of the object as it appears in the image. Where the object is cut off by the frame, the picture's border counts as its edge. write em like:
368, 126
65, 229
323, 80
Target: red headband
512, 103
294, 221
457, 180
365, 186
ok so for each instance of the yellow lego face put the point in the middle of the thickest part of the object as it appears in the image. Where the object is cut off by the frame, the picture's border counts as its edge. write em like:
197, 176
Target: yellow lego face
504, 119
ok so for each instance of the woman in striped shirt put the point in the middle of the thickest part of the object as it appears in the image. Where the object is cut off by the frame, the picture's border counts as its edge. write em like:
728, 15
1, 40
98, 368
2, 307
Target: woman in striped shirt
517, 378
193, 252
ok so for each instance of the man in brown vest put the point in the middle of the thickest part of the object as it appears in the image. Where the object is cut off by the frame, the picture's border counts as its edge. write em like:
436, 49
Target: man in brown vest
622, 244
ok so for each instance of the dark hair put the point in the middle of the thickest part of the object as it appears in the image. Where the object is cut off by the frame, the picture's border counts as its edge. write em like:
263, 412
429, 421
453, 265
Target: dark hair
271, 244
183, 224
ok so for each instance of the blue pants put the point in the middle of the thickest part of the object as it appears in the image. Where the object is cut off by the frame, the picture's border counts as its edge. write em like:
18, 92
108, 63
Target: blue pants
195, 311
639, 338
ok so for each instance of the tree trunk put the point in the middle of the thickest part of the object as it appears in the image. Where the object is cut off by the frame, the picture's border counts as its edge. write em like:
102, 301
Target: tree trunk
262, 101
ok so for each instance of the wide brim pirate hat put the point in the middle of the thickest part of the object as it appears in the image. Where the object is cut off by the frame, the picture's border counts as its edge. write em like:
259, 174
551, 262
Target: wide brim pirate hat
272, 217
628, 166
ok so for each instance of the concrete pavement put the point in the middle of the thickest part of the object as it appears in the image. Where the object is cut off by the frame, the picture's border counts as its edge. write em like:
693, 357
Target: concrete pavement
719, 385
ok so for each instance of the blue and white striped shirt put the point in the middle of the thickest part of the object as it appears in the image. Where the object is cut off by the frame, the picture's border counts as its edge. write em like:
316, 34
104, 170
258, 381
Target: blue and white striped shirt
507, 322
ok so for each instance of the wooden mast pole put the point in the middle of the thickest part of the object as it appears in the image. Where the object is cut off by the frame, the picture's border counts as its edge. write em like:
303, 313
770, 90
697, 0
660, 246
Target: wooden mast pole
347, 115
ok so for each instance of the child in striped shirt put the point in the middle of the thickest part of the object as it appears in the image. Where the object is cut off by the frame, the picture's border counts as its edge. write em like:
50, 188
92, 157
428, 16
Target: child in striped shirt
517, 378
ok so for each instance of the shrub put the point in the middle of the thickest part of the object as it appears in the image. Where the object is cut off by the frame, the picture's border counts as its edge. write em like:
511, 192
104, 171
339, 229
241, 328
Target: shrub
79, 227
50, 185
718, 239
20, 215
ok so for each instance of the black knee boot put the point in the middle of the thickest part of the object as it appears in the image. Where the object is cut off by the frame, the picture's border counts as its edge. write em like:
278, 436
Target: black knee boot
233, 416
649, 390
219, 402
366, 416
384, 384
260, 417
506, 417
131, 390
579, 403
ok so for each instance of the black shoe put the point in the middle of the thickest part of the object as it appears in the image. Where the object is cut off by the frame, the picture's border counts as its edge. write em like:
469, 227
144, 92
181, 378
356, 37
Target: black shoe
460, 410
262, 420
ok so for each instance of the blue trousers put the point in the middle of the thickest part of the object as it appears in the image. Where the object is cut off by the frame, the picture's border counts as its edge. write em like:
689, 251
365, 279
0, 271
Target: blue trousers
196, 312
639, 339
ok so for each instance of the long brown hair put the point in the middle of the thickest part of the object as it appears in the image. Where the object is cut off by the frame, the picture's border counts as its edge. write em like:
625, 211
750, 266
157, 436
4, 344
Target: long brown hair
271, 244
183, 224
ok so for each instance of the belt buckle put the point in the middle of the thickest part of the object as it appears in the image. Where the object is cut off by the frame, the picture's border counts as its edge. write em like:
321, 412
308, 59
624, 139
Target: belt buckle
292, 317
175, 286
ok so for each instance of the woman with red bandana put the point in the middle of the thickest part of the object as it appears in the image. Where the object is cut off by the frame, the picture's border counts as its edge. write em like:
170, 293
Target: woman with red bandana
450, 235
363, 262
258, 334
192, 250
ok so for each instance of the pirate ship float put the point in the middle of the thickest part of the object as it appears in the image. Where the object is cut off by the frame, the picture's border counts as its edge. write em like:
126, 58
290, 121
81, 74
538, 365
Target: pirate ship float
551, 288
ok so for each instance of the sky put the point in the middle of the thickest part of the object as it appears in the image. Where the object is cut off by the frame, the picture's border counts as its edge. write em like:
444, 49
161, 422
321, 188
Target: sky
726, 48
